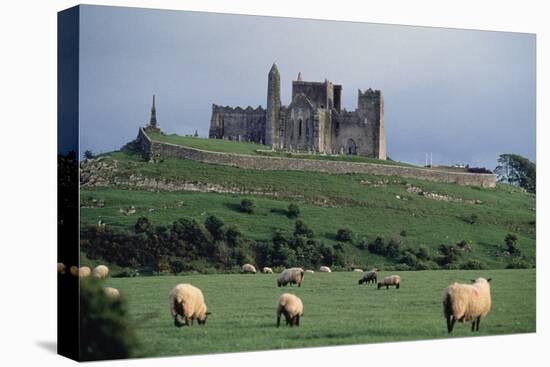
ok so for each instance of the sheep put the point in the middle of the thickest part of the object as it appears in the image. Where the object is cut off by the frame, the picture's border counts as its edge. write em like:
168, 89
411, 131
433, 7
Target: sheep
111, 293
60, 268
100, 271
291, 307
358, 270
267, 270
325, 269
291, 276
248, 268
369, 277
187, 301
84, 272
73, 270
310, 271
467, 302
391, 280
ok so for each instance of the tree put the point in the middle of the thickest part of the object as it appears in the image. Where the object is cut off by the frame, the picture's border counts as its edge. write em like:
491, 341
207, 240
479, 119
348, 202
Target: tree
142, 225
293, 211
344, 235
214, 225
511, 241
377, 247
393, 249
247, 206
88, 154
517, 170
301, 229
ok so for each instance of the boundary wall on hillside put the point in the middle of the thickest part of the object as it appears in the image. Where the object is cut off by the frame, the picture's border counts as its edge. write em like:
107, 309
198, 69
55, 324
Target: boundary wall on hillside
154, 150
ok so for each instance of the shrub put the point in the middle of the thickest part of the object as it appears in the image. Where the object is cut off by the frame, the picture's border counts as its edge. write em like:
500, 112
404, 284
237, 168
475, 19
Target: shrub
519, 264
344, 235
142, 225
247, 206
293, 211
233, 235
472, 265
301, 229
409, 259
362, 244
105, 331
177, 266
393, 249
511, 242
214, 225
403, 233
449, 255
472, 219
377, 247
423, 253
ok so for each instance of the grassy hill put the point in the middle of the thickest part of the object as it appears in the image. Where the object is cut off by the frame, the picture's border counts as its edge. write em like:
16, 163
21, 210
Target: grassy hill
243, 314
369, 205
226, 146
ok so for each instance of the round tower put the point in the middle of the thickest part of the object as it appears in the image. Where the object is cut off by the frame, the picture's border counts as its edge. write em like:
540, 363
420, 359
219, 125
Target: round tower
273, 107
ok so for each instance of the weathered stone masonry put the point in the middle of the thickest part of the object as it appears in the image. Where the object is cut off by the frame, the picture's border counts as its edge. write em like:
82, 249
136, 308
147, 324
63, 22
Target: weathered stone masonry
313, 121
154, 150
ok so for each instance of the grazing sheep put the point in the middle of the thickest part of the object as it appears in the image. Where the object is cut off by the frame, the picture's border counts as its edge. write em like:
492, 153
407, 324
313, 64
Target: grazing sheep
84, 272
112, 293
267, 270
391, 280
187, 301
467, 302
248, 268
369, 277
291, 307
325, 269
292, 276
100, 271
60, 268
358, 270
310, 271
73, 270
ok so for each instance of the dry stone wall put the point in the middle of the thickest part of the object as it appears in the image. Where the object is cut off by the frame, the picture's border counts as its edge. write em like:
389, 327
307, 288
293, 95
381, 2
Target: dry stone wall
154, 149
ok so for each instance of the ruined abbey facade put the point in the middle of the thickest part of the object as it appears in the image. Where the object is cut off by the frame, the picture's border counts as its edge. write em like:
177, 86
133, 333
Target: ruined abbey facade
313, 121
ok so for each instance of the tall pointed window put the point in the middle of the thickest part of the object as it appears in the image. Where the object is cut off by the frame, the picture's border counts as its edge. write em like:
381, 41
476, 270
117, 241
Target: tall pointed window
300, 128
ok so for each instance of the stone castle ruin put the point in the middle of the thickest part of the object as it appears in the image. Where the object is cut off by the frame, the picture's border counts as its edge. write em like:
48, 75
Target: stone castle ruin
313, 122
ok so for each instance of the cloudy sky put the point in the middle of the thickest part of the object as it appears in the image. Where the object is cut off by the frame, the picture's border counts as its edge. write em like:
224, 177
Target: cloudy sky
466, 96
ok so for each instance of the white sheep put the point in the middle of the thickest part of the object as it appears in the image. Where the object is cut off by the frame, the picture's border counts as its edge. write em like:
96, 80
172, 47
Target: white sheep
291, 276
391, 280
187, 301
84, 272
358, 270
100, 271
267, 270
291, 307
60, 268
325, 269
467, 302
111, 292
248, 268
310, 271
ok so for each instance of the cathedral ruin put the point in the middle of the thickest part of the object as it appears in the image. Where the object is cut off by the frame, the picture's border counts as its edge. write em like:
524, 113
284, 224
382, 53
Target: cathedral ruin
313, 122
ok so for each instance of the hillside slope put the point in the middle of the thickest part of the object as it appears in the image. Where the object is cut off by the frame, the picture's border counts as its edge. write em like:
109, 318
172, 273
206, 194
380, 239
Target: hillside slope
411, 212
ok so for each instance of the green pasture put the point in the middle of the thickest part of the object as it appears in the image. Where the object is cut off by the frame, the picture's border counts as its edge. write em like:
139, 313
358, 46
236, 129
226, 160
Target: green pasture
337, 311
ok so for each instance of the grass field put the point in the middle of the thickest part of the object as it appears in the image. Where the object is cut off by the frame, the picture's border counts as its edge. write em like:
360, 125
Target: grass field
226, 146
337, 311
367, 204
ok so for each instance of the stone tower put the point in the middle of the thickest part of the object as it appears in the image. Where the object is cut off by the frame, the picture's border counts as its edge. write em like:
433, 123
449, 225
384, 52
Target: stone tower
273, 107
152, 126
371, 113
